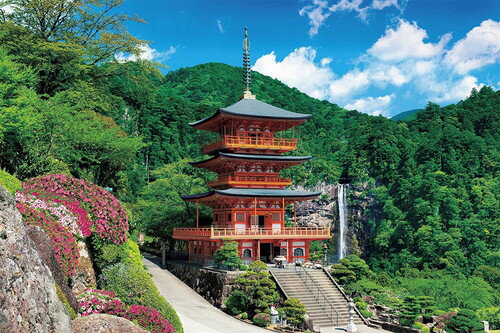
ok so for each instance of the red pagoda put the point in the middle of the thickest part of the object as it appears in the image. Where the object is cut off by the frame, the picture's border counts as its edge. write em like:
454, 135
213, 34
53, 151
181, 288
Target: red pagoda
248, 198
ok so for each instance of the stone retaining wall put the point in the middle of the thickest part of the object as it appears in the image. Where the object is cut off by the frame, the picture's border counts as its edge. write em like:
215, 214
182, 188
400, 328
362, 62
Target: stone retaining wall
212, 284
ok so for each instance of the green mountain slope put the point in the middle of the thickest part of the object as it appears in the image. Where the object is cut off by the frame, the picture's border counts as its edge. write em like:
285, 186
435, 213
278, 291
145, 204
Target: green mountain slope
406, 115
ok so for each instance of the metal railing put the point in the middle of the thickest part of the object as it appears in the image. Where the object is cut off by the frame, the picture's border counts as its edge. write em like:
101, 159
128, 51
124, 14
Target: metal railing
316, 291
244, 233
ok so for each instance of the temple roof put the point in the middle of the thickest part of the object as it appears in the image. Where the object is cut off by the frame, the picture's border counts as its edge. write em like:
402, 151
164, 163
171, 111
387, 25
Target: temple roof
276, 158
255, 109
250, 192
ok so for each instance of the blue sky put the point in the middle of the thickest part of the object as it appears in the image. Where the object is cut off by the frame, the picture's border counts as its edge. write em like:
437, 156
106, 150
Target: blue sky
376, 56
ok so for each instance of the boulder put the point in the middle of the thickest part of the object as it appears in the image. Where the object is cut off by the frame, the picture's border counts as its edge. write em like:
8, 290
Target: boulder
28, 296
104, 323
84, 276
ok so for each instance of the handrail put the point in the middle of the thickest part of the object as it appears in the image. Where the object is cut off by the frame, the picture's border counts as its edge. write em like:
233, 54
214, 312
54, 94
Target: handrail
252, 141
318, 289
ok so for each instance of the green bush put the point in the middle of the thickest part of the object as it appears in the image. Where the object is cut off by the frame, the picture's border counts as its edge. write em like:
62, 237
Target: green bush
465, 321
11, 183
256, 284
133, 285
491, 315
237, 302
244, 315
110, 254
421, 327
262, 319
228, 256
294, 311
360, 303
365, 313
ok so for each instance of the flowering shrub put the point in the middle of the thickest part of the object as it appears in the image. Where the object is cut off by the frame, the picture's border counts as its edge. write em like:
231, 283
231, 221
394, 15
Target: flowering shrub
110, 220
149, 319
262, 319
64, 245
99, 301
58, 211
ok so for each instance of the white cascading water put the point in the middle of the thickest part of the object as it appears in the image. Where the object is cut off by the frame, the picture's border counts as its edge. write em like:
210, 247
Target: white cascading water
342, 202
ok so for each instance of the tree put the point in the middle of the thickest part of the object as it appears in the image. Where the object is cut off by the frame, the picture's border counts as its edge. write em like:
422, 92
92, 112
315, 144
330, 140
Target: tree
258, 286
294, 311
95, 25
465, 321
228, 256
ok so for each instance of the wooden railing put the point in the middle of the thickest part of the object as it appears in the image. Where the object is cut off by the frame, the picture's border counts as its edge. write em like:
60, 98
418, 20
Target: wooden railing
250, 180
252, 142
251, 233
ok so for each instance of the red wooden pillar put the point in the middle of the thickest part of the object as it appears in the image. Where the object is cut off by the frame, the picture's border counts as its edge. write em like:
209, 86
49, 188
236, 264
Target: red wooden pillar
307, 251
289, 251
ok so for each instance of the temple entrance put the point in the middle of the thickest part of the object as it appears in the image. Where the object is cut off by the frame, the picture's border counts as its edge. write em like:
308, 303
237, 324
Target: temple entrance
262, 219
265, 252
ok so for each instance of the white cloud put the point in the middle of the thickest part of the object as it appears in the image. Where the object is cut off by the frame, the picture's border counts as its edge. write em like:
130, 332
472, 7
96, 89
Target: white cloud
406, 41
372, 105
349, 84
480, 47
351, 5
298, 70
219, 26
317, 13
455, 90
146, 53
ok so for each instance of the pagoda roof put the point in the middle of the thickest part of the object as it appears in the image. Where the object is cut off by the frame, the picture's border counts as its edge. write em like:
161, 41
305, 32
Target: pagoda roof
248, 192
254, 108
274, 158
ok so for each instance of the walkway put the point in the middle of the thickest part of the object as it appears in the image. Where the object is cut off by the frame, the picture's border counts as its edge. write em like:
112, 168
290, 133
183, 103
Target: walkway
196, 314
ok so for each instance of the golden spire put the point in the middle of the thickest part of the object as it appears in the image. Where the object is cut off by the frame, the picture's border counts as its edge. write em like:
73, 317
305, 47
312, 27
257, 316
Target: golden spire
247, 71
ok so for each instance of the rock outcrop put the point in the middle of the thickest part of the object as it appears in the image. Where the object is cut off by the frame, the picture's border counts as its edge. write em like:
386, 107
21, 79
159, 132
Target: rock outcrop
84, 276
324, 211
103, 323
28, 296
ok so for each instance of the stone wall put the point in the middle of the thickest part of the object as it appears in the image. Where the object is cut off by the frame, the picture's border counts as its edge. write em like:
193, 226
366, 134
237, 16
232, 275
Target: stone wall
212, 284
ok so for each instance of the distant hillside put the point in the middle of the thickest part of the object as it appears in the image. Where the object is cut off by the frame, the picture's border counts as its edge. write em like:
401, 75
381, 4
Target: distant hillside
406, 115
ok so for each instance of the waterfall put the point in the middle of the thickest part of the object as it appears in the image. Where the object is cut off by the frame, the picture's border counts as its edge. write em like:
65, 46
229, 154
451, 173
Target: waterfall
342, 202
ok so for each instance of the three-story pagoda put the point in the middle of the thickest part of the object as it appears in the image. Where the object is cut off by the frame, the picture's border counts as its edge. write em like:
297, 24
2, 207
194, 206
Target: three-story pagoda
249, 198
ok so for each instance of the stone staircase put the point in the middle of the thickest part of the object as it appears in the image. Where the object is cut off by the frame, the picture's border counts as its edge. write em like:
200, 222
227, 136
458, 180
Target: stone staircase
303, 284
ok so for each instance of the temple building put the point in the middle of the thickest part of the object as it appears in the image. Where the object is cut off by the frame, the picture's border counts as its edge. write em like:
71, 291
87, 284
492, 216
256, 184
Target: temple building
249, 198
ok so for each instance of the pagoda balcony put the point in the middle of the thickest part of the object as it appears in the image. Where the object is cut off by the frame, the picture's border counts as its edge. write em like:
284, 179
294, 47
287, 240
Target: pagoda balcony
252, 233
250, 181
252, 144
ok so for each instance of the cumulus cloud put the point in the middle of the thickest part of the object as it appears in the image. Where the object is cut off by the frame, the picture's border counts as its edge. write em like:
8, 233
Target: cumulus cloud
406, 41
219, 26
480, 47
146, 53
373, 105
415, 66
318, 11
299, 70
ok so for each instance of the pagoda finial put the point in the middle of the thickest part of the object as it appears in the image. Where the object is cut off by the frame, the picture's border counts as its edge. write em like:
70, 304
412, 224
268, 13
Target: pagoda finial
247, 72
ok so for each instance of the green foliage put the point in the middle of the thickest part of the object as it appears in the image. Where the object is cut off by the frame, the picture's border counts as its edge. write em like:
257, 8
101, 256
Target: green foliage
132, 284
244, 315
262, 319
465, 321
294, 311
257, 285
110, 254
350, 269
237, 302
227, 256
491, 315
64, 300
9, 182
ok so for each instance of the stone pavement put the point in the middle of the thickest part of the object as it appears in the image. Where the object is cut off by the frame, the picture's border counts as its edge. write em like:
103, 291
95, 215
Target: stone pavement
196, 314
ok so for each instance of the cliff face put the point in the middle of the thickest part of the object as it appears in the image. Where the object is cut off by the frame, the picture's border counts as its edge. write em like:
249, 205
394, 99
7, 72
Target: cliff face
324, 211
28, 297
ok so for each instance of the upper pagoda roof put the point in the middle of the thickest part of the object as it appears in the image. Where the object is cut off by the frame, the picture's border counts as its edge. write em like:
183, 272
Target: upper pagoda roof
275, 158
253, 108
250, 192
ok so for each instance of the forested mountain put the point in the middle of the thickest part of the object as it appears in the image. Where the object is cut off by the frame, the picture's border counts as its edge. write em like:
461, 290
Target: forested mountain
124, 126
406, 115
